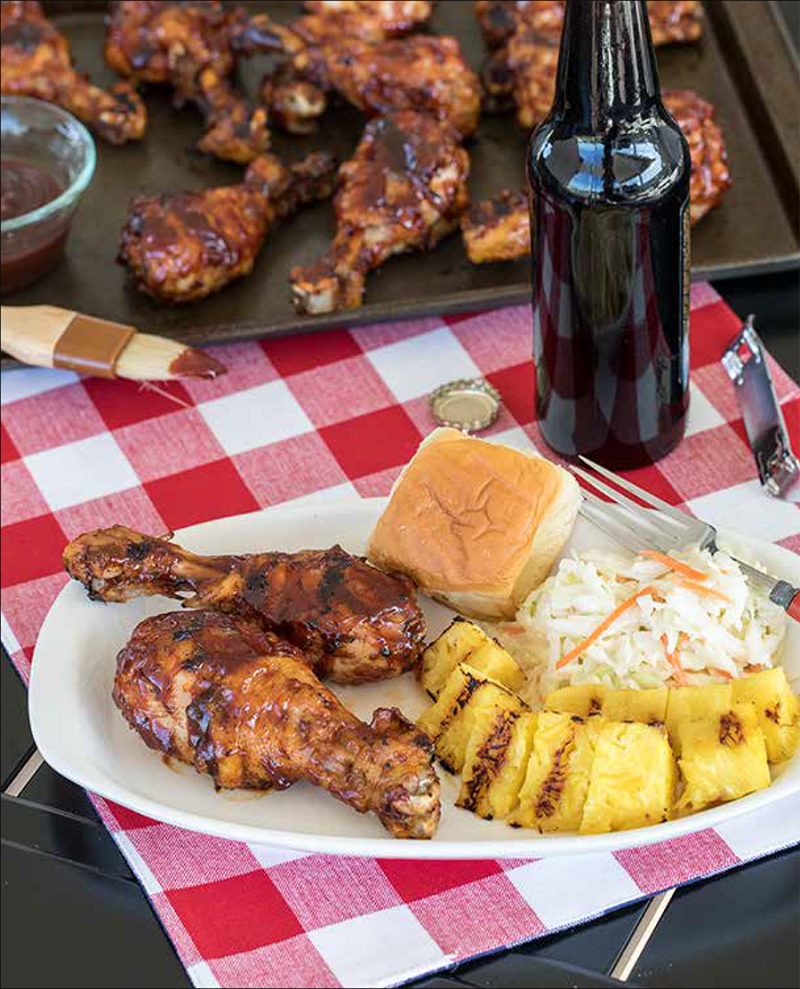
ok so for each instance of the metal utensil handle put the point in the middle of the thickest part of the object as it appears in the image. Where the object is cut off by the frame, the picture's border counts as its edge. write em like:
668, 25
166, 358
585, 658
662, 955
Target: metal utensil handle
786, 597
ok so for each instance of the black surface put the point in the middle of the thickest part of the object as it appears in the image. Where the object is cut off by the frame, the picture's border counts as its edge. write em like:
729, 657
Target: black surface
740, 929
68, 925
64, 926
15, 733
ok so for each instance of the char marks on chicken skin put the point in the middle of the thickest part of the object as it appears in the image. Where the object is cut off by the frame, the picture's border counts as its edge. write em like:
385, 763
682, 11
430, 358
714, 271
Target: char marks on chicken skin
183, 246
36, 61
190, 46
353, 622
498, 229
242, 705
404, 189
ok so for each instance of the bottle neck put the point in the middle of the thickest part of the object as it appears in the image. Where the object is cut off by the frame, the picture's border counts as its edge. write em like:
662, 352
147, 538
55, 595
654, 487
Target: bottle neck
606, 67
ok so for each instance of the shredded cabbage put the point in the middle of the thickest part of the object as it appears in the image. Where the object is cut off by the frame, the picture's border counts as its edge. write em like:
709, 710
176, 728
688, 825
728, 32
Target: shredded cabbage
715, 628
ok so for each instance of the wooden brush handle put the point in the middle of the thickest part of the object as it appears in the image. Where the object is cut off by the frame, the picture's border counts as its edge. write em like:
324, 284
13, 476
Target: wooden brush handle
30, 333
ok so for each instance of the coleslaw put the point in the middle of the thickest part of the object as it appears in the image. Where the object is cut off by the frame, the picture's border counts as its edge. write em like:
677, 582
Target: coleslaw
647, 621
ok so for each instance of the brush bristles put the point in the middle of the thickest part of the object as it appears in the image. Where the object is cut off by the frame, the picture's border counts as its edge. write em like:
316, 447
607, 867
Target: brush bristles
153, 358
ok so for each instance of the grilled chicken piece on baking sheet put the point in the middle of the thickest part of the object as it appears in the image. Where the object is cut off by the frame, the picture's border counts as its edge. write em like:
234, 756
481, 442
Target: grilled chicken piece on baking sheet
671, 21
404, 189
498, 229
182, 246
525, 35
237, 702
422, 72
190, 46
353, 622
35, 61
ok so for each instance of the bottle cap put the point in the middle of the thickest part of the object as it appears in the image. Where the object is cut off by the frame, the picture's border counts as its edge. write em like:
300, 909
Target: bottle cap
469, 404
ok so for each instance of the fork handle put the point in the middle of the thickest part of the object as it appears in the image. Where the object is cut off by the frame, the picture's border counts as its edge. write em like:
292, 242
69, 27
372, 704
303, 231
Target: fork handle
786, 597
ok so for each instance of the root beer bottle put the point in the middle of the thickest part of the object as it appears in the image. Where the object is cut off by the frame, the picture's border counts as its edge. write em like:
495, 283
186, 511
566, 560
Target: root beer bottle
609, 175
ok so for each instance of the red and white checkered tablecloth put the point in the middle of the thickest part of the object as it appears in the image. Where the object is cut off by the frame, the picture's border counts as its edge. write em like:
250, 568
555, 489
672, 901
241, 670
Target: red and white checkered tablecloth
334, 416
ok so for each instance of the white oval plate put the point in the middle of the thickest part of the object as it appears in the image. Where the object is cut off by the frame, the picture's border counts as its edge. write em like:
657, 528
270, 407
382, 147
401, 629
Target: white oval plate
82, 735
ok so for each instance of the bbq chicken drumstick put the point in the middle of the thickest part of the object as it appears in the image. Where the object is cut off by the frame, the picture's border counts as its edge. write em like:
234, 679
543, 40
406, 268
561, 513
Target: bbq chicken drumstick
525, 36
35, 61
373, 20
354, 623
189, 46
671, 21
236, 702
498, 229
403, 190
183, 246
422, 72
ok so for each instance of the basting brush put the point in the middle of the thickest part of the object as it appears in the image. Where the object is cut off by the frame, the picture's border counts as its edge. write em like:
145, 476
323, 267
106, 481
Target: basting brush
48, 336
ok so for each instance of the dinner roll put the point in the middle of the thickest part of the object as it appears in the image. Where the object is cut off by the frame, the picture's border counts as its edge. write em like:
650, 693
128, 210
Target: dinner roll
477, 525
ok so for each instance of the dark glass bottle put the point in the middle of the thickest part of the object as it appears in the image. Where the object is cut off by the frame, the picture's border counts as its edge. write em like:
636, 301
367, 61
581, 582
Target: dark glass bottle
609, 173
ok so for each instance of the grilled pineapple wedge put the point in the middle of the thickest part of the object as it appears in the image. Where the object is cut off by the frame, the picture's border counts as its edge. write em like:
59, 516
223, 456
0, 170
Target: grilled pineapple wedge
723, 757
468, 701
495, 764
645, 706
583, 699
465, 642
687, 704
557, 778
776, 708
632, 779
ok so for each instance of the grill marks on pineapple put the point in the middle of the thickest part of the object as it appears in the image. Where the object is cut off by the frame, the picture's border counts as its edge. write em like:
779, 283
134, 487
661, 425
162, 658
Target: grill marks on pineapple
461, 701
553, 784
489, 760
731, 729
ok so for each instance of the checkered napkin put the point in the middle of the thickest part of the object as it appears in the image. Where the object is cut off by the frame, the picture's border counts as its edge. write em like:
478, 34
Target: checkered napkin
335, 416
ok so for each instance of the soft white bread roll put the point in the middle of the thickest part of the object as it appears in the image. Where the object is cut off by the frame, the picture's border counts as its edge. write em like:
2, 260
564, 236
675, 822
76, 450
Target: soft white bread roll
477, 525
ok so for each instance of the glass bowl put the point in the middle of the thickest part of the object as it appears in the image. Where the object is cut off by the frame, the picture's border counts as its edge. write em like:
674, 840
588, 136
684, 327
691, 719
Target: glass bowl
43, 135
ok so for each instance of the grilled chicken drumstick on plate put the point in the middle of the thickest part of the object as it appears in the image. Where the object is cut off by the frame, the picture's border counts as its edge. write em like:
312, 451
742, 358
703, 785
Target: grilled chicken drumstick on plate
403, 190
35, 61
183, 246
189, 46
422, 72
498, 229
353, 622
236, 702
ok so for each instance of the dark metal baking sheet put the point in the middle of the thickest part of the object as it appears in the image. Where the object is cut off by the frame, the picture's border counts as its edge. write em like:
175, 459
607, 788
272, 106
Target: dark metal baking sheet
744, 65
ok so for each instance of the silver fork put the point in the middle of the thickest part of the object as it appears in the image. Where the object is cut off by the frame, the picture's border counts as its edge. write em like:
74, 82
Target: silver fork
665, 530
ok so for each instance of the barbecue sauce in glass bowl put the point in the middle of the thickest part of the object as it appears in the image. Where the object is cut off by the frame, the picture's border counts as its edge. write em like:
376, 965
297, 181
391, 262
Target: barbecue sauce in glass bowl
25, 187
47, 162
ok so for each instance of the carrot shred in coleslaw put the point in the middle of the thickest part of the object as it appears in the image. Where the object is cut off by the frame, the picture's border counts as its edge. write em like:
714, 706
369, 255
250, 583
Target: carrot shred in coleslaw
672, 564
605, 624
720, 673
673, 658
702, 590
